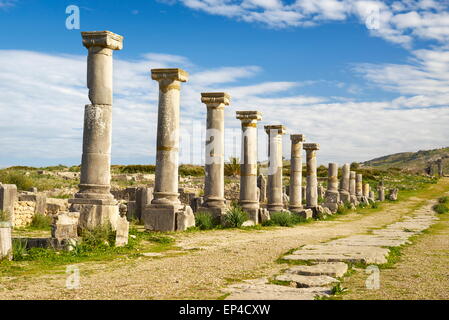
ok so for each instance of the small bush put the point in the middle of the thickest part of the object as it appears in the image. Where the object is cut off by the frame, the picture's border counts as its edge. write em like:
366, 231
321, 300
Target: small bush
19, 249
440, 208
374, 205
204, 221
40, 221
342, 209
101, 236
235, 217
281, 218
22, 181
443, 199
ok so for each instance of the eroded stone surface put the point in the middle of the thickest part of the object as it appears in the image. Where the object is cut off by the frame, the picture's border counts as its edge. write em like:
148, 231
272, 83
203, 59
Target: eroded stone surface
302, 281
333, 269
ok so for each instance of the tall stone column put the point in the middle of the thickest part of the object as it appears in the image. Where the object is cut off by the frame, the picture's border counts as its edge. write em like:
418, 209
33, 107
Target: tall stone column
295, 193
94, 201
344, 183
359, 186
352, 187
214, 200
332, 196
274, 190
166, 213
366, 190
312, 181
248, 199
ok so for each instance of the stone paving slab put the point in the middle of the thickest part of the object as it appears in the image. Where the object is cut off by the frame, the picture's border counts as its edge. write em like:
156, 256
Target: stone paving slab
262, 290
307, 281
332, 269
371, 240
337, 257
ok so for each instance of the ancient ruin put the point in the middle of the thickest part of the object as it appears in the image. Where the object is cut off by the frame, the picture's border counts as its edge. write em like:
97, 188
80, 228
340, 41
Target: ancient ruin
274, 186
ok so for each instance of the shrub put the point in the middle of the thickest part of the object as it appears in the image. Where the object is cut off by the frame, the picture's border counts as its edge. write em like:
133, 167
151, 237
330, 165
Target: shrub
281, 218
19, 249
101, 236
40, 221
204, 221
191, 170
235, 217
22, 181
443, 199
440, 208
374, 205
232, 168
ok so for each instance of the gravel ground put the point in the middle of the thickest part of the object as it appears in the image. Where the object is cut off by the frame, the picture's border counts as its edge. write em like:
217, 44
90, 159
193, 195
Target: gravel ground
208, 262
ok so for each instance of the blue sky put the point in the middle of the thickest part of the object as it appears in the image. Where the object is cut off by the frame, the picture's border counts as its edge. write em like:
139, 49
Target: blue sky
314, 66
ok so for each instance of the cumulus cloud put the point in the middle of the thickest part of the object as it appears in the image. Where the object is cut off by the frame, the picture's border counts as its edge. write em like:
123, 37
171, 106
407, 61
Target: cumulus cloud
399, 22
43, 98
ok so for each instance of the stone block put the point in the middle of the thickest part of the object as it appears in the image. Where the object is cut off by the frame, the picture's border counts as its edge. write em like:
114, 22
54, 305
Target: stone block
65, 225
264, 215
95, 213
8, 195
54, 205
331, 269
185, 219
144, 195
131, 210
122, 232
39, 199
305, 213
5, 240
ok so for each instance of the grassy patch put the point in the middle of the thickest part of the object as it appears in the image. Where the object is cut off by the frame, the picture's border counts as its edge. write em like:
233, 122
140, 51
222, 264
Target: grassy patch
235, 217
204, 221
442, 206
40, 222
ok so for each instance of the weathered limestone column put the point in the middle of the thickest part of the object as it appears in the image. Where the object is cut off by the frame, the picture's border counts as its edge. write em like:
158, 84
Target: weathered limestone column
248, 199
304, 193
344, 183
352, 187
366, 190
214, 200
332, 196
5, 240
166, 213
295, 192
94, 200
312, 182
274, 189
262, 185
8, 195
381, 193
359, 186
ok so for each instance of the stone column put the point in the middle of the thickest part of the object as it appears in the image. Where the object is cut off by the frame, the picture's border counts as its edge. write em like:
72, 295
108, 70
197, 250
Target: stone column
359, 186
344, 183
262, 185
94, 200
295, 193
274, 189
312, 182
214, 200
352, 187
5, 240
366, 190
381, 193
8, 195
304, 193
332, 196
166, 213
248, 199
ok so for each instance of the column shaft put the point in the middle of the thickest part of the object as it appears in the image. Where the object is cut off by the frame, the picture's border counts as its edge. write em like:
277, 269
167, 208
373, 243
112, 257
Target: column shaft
295, 192
274, 199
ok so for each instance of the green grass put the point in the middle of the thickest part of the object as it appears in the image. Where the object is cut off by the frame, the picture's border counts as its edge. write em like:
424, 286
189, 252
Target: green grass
204, 221
235, 217
40, 222
440, 208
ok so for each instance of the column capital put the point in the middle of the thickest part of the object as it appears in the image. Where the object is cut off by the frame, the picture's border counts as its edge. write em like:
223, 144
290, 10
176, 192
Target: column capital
174, 74
103, 39
279, 127
295, 138
215, 98
311, 146
248, 115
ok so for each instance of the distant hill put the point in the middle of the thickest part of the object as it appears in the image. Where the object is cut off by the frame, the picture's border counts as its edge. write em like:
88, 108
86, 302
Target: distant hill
411, 161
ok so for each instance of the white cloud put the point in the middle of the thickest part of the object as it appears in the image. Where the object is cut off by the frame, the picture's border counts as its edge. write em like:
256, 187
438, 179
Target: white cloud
400, 22
44, 96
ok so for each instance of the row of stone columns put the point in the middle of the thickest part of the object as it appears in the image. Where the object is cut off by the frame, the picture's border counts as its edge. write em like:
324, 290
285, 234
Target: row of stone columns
165, 212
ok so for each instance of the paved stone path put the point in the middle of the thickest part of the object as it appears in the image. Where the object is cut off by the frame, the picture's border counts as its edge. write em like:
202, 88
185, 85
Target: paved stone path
326, 262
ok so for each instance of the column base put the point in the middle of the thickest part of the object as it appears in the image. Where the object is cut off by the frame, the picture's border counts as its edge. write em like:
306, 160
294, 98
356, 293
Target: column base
345, 196
304, 213
273, 207
295, 208
95, 213
353, 200
168, 217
